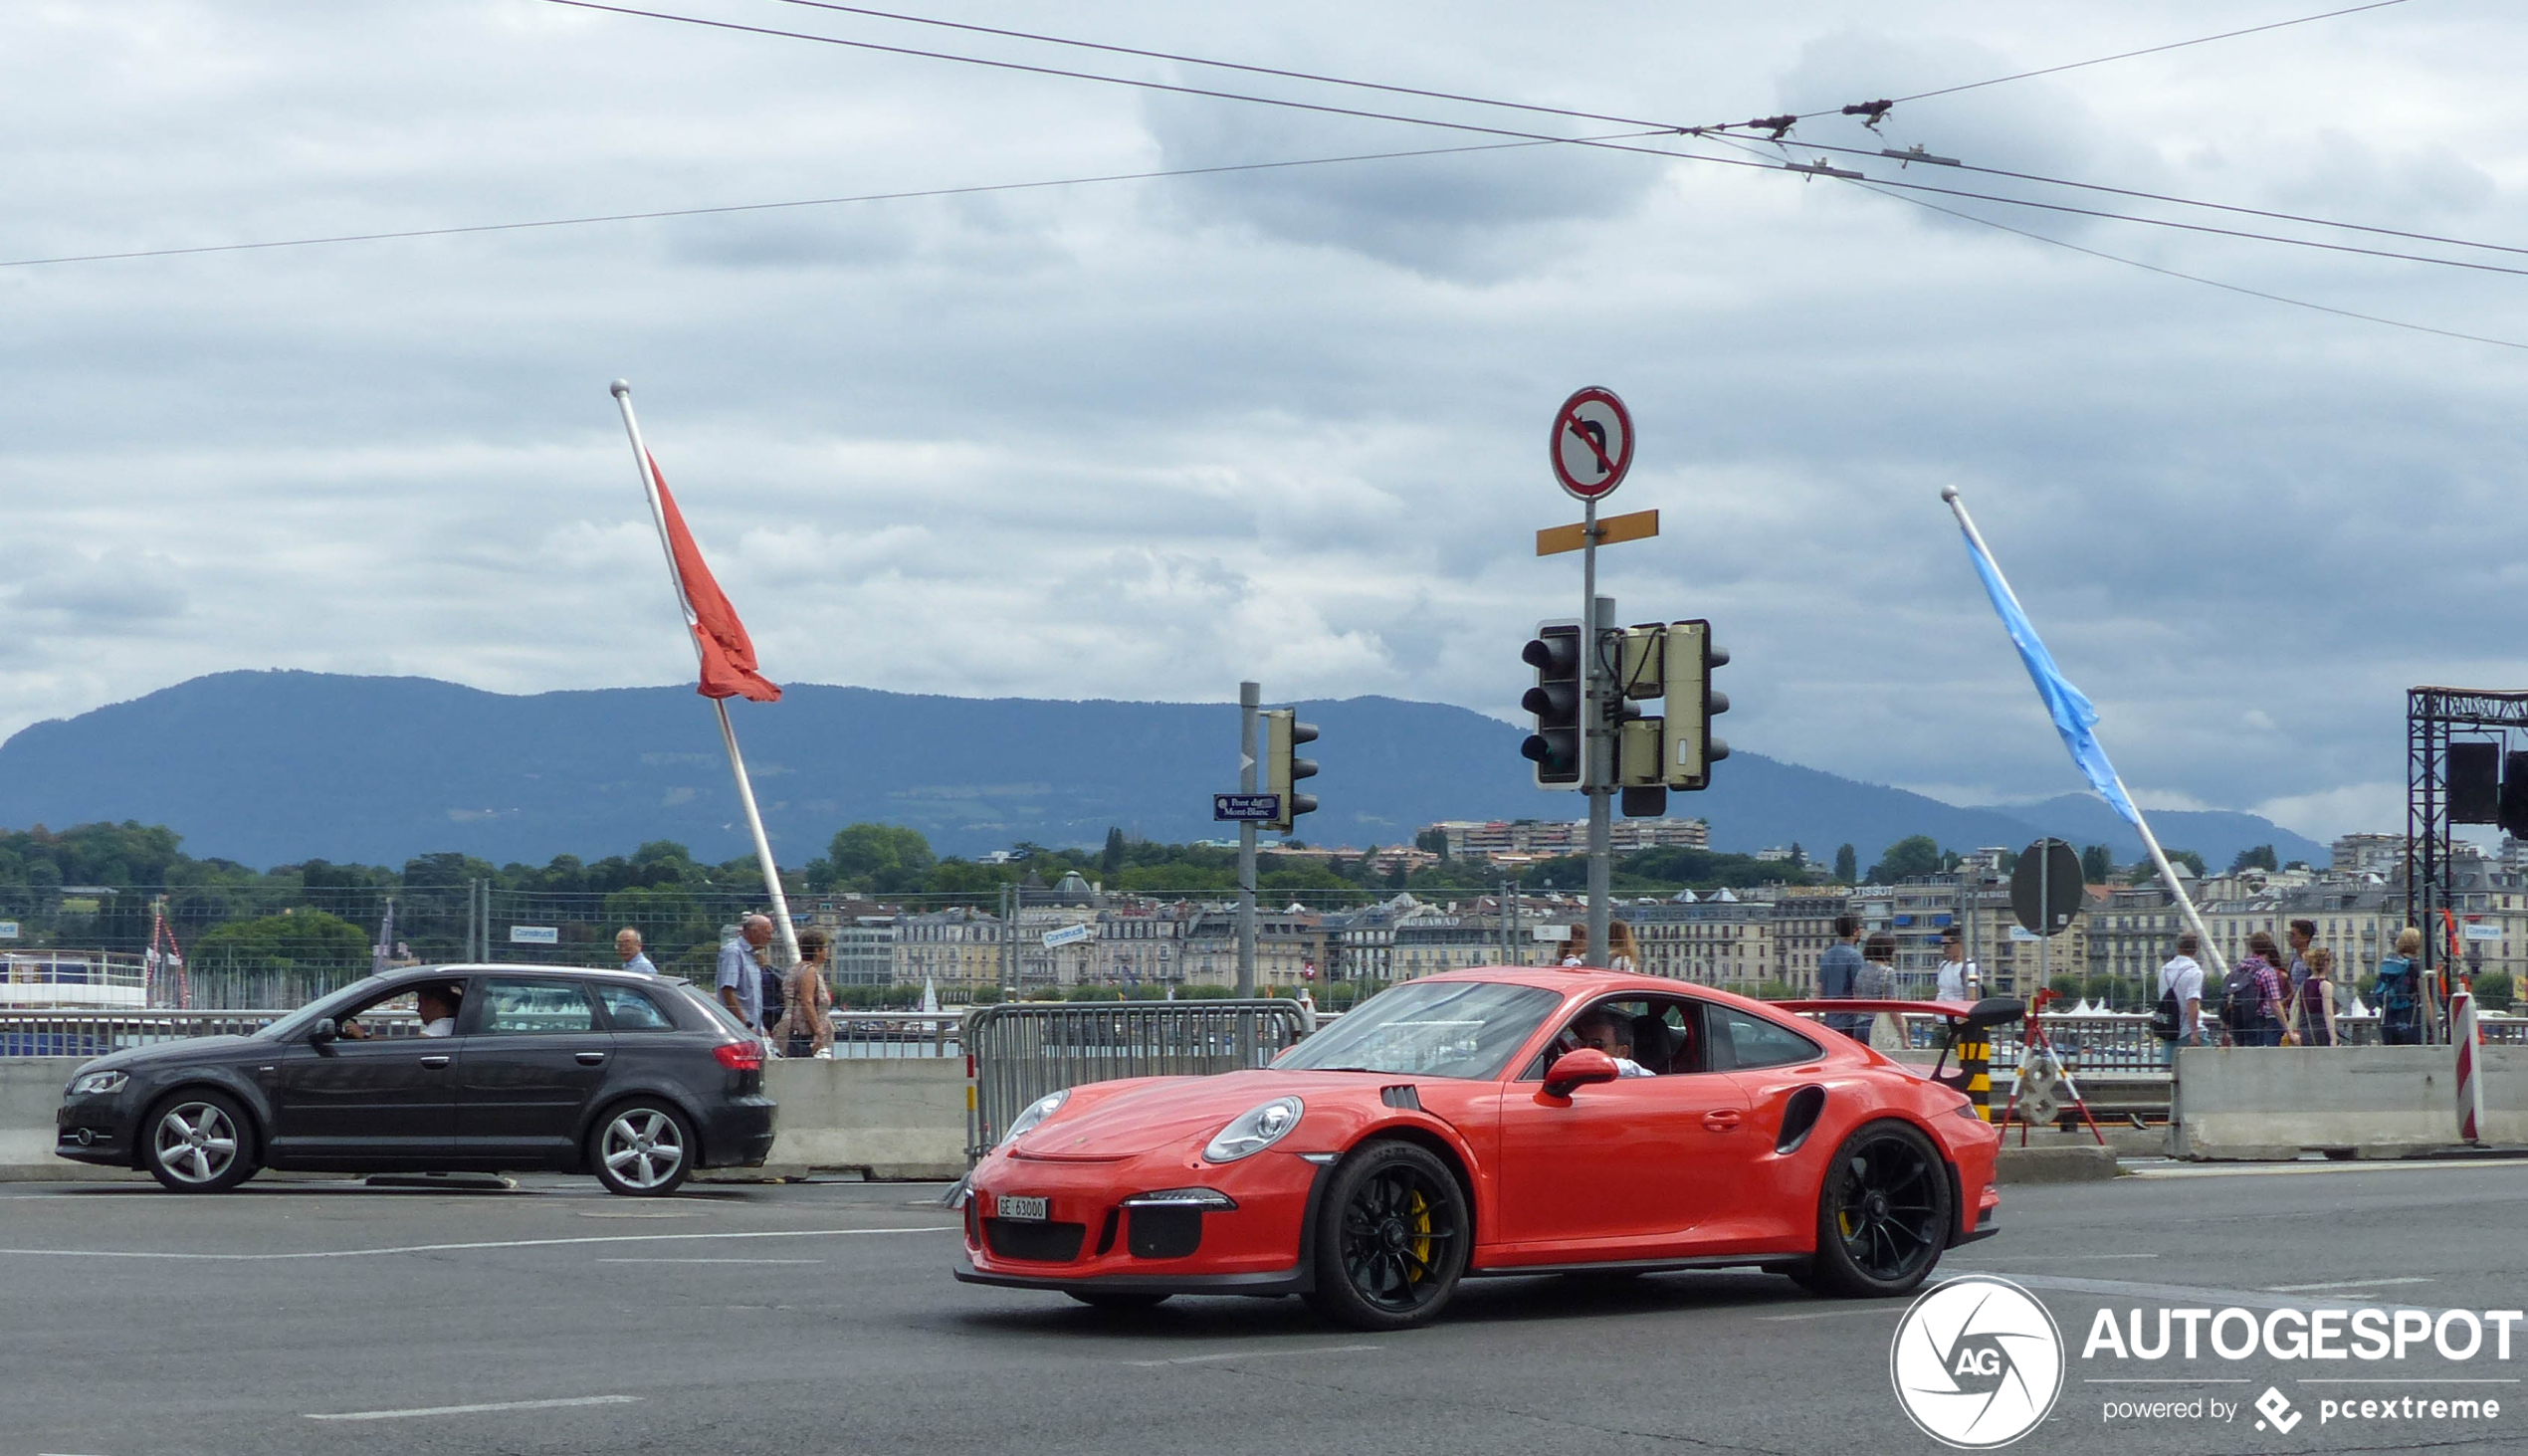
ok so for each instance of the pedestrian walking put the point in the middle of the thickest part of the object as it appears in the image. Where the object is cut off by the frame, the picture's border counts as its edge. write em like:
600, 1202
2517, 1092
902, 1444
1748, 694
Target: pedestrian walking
1959, 979
2300, 935
2399, 991
2313, 1000
806, 1029
1839, 971
2181, 1005
627, 947
739, 975
2251, 998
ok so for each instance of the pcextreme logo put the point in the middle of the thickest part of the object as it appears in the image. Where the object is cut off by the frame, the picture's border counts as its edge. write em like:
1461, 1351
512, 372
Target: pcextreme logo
1976, 1363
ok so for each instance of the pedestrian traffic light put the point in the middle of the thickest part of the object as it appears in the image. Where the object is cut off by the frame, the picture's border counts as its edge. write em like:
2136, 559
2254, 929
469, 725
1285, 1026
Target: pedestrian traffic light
1687, 748
1283, 733
1554, 746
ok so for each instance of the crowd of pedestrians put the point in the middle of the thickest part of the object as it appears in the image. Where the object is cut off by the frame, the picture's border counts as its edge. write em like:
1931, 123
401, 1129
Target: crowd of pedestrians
791, 1010
2276, 997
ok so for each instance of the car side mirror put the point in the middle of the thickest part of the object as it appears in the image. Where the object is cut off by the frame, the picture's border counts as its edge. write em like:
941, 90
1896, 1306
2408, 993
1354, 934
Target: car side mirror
1577, 1069
320, 1036
1995, 1011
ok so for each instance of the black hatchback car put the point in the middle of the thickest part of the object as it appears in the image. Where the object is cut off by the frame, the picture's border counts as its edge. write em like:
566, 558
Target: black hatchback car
637, 1078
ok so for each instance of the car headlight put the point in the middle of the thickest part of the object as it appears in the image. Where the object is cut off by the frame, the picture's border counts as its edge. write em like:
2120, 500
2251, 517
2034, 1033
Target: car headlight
95, 1083
1037, 1110
1254, 1131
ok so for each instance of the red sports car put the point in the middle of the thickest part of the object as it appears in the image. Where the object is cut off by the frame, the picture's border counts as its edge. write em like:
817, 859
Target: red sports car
1494, 1122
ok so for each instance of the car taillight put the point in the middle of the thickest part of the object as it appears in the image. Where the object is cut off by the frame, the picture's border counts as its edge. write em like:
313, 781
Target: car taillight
739, 1056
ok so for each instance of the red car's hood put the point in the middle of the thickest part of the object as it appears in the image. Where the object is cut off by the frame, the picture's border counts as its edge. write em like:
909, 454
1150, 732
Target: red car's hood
1146, 1114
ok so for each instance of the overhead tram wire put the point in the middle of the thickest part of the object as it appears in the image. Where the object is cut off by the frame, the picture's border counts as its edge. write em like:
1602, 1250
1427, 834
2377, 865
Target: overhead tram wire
1545, 110
1877, 186
1408, 120
674, 212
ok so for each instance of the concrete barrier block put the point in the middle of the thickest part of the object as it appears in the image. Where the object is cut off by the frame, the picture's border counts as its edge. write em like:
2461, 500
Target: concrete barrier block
2256, 1103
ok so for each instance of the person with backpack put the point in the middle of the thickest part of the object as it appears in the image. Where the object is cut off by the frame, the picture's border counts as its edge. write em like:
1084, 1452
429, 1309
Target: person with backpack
2180, 1014
2251, 995
2399, 982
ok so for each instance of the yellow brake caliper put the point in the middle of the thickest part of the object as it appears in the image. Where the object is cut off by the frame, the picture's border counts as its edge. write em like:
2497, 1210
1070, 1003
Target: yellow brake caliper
1419, 1217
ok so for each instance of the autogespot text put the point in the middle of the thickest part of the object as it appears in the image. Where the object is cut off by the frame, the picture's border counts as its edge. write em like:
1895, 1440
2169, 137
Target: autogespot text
2358, 1337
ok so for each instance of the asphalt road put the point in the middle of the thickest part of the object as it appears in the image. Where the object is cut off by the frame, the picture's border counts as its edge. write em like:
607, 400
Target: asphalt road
324, 1317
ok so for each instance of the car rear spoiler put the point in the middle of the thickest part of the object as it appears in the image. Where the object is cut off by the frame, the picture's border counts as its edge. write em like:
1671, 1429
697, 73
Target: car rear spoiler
1967, 1022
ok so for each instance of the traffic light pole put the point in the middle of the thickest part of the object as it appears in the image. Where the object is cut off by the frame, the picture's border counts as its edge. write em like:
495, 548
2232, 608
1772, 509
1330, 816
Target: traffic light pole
1251, 697
1597, 745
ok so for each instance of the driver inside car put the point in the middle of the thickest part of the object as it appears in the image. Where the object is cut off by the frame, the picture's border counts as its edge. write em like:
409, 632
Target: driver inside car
436, 1005
1613, 1034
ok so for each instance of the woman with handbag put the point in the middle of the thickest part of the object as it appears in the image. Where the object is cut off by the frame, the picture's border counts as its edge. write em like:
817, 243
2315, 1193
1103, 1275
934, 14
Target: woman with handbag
2313, 1002
806, 1029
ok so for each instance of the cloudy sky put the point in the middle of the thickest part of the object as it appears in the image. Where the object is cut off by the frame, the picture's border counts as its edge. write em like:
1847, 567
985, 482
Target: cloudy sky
1140, 439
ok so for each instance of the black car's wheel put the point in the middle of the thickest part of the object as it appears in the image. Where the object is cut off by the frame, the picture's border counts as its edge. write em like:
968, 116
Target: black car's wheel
1391, 1238
1118, 1299
198, 1141
642, 1148
1883, 1215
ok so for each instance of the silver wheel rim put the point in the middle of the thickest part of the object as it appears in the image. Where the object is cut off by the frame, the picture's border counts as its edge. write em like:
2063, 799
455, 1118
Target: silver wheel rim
196, 1142
643, 1149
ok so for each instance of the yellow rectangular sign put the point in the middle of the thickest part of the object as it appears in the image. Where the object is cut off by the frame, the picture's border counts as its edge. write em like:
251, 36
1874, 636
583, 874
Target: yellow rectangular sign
1639, 526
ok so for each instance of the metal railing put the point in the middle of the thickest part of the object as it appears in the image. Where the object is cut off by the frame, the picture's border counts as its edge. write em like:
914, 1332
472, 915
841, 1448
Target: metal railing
860, 1035
1021, 1051
82, 1033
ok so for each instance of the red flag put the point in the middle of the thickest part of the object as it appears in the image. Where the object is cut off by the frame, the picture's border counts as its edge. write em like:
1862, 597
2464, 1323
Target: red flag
728, 652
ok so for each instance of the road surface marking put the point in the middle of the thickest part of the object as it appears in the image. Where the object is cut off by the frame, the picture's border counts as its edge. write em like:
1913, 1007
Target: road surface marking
1205, 1359
2186, 1293
621, 1238
1887, 1309
2054, 1259
711, 1261
2271, 1170
2160, 1380
2417, 1381
478, 1410
2342, 1284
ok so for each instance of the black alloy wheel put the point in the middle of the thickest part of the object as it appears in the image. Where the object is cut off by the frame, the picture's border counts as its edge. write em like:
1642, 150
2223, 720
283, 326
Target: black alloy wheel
1391, 1238
198, 1141
1883, 1216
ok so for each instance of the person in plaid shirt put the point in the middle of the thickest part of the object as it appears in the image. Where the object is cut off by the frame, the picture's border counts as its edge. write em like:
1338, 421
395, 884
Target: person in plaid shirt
2252, 997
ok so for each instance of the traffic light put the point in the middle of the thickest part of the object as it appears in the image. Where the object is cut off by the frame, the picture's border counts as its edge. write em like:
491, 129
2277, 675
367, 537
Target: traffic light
1554, 746
1639, 741
1283, 733
1687, 748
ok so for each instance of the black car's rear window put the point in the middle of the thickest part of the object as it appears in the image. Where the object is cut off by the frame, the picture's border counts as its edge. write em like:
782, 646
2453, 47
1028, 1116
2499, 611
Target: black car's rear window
629, 1008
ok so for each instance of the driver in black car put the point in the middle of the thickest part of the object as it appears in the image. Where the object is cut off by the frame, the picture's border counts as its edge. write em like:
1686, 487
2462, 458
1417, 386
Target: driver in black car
436, 1005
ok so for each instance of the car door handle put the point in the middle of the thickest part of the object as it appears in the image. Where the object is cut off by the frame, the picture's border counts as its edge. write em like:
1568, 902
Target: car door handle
1721, 1120
439, 1061
591, 1059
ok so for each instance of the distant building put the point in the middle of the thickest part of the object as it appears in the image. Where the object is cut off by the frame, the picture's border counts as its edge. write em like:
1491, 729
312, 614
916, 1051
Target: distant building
1552, 838
2371, 854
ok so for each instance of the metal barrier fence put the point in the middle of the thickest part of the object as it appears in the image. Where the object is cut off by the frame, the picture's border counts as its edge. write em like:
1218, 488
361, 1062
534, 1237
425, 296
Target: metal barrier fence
1019, 1052
72, 1033
864, 1034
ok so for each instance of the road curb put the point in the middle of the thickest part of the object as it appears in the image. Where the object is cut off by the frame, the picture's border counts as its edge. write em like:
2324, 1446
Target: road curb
2088, 1165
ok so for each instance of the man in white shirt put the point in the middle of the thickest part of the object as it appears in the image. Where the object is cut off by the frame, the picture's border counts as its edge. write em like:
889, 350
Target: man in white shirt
438, 1010
627, 946
2184, 979
1961, 979
1611, 1034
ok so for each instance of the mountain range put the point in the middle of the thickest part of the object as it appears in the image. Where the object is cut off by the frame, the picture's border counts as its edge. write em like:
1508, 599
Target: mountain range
275, 767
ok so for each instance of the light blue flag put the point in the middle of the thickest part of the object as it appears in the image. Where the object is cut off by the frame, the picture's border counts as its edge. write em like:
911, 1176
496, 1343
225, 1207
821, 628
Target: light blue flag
2074, 717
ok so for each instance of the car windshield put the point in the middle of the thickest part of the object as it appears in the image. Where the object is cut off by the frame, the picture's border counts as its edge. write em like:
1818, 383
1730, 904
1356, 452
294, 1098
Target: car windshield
1428, 1029
318, 1007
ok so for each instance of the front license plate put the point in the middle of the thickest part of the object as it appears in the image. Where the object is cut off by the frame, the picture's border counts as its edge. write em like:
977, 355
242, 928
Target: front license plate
1018, 1207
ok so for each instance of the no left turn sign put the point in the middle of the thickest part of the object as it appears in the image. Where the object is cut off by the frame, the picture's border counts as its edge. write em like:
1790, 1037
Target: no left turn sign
1592, 443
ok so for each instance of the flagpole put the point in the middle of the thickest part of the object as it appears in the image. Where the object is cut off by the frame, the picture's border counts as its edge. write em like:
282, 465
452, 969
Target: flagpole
2149, 840
727, 733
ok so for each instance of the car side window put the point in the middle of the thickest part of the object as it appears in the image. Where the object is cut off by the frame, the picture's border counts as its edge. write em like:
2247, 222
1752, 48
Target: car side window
1754, 1041
629, 1008
525, 1007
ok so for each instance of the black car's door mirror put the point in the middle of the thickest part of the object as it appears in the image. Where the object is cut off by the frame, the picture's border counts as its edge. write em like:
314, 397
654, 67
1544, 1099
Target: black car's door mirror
320, 1036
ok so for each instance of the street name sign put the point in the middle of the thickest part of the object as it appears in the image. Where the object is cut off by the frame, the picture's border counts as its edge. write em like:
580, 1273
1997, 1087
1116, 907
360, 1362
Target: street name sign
534, 935
1591, 446
1637, 526
8, 929
1246, 808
